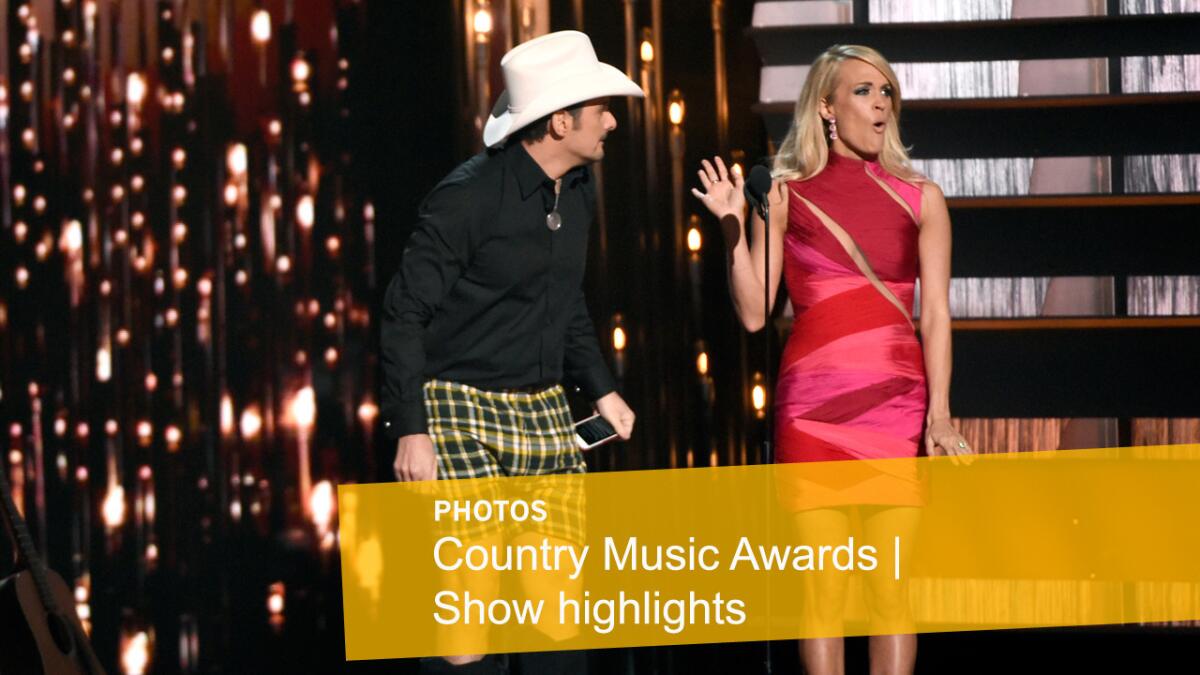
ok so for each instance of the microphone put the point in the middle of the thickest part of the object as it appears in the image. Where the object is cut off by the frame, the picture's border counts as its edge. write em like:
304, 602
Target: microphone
757, 187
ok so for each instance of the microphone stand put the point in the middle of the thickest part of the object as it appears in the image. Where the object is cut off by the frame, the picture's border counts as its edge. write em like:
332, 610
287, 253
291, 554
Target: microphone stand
761, 204
764, 211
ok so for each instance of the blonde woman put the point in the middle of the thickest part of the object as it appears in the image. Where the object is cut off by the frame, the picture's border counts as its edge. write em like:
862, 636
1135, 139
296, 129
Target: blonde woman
852, 227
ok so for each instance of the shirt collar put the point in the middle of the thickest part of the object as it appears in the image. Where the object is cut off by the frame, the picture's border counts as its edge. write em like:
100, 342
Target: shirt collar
530, 175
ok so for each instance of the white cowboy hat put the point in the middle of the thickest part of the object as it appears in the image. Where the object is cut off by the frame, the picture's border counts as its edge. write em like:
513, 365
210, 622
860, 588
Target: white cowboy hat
547, 74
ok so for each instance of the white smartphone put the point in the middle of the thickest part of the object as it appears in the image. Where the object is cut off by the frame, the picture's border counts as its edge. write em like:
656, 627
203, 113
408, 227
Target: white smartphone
593, 431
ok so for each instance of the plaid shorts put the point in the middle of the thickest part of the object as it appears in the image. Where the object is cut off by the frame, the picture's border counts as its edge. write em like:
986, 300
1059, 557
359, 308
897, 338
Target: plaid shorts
490, 434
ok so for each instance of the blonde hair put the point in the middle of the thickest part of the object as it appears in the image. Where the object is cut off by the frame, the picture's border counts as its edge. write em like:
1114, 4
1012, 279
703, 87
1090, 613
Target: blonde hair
805, 150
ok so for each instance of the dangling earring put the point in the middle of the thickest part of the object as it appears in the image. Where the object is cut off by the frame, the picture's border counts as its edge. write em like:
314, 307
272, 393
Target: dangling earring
832, 129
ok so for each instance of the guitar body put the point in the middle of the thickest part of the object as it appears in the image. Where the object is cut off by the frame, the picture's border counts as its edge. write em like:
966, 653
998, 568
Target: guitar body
36, 642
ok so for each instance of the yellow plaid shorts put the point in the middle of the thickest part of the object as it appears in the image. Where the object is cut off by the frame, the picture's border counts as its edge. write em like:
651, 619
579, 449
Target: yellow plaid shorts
491, 434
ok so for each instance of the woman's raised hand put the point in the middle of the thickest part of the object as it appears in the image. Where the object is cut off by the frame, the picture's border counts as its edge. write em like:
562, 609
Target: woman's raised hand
722, 192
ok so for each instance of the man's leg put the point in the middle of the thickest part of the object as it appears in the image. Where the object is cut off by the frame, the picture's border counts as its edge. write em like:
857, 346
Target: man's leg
451, 414
550, 448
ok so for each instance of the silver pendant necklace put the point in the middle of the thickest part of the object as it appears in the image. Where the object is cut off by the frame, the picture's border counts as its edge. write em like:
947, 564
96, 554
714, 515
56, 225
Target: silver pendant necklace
553, 219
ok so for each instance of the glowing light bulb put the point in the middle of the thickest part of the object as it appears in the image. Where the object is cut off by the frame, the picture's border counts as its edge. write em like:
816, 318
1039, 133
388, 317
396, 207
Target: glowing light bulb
304, 407
322, 505
135, 654
173, 437
226, 414
236, 159
103, 364
676, 108
619, 339
300, 70
114, 506
759, 396
305, 212
483, 21
251, 422
275, 595
260, 26
367, 412
135, 88
675, 113
145, 431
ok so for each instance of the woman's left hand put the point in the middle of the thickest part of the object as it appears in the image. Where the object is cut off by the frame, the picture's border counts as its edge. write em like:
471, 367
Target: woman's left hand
941, 438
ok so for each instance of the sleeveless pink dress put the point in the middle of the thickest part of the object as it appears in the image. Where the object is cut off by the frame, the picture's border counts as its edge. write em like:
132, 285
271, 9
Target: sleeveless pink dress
851, 381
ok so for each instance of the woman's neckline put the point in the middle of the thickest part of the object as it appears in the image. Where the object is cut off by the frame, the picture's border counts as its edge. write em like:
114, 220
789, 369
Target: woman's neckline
835, 158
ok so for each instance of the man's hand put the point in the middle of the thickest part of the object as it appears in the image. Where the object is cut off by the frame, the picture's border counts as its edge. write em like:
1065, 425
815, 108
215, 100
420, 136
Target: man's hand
415, 458
616, 412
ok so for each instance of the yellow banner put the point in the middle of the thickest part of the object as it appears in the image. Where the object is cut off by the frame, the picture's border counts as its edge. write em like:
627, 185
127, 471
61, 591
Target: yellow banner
1077, 537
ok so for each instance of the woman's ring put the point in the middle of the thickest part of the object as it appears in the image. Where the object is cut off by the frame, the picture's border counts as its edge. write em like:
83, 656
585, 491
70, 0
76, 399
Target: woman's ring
962, 444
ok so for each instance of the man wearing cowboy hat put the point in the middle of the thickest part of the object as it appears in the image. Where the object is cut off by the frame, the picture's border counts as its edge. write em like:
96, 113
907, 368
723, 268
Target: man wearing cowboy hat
486, 316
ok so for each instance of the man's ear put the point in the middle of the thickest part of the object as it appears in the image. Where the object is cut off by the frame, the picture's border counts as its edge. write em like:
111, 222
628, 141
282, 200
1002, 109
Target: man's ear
560, 123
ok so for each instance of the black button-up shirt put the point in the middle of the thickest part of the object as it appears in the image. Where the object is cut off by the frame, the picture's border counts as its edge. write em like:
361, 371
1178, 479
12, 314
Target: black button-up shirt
486, 294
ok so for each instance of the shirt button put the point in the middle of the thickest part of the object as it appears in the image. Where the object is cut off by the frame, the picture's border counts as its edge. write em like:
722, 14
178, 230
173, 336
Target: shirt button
387, 424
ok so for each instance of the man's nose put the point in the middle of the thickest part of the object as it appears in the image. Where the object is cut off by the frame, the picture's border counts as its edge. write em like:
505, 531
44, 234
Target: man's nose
610, 120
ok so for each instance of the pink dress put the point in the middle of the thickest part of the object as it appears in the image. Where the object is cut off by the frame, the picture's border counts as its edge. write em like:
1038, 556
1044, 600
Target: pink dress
852, 375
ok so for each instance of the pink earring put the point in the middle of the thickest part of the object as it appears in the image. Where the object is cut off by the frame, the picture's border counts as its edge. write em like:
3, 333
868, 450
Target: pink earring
832, 129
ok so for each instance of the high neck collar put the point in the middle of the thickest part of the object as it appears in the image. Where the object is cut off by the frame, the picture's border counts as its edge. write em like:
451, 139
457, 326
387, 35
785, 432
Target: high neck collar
843, 162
